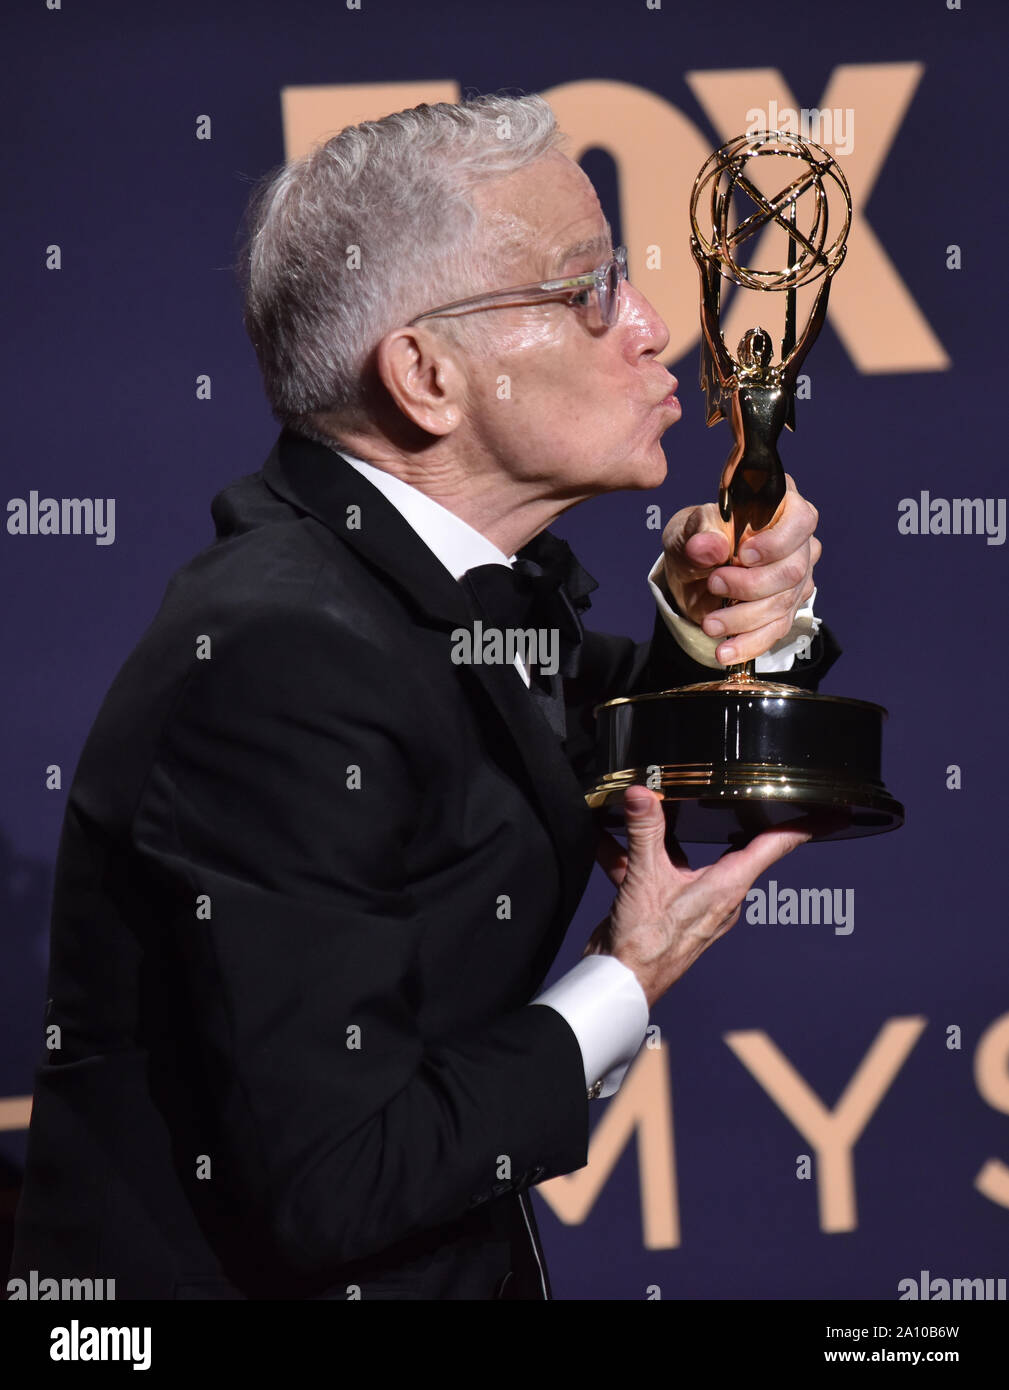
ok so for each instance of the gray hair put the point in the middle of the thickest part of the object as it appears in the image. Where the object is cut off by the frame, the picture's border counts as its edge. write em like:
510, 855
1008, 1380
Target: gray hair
398, 190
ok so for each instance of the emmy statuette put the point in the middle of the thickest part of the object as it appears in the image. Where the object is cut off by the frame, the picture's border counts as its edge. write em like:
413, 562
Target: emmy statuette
739, 755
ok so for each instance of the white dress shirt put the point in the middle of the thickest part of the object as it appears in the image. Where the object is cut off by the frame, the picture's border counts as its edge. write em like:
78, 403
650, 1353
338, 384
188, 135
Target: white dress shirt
599, 997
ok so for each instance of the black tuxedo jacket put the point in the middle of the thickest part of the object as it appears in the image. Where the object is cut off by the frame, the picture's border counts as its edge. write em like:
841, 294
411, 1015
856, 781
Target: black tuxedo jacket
311, 875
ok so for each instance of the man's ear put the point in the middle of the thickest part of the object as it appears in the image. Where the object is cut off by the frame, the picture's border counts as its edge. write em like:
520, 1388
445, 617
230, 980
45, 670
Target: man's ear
423, 373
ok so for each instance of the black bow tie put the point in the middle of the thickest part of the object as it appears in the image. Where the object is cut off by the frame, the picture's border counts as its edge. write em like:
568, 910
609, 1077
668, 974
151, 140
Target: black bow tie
546, 588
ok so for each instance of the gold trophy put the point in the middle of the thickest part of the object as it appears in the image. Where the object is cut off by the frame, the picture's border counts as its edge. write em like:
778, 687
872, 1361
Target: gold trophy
736, 756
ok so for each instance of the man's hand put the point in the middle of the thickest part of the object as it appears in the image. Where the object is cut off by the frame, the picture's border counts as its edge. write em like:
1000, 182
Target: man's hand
773, 581
666, 914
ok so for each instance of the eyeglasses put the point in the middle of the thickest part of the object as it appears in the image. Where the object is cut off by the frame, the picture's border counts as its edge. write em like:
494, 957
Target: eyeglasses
604, 282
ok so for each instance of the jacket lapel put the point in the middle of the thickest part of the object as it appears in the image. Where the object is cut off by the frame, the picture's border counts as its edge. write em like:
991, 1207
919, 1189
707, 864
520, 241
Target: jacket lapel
316, 480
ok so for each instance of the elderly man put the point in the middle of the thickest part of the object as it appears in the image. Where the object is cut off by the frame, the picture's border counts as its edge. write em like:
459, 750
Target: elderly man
315, 867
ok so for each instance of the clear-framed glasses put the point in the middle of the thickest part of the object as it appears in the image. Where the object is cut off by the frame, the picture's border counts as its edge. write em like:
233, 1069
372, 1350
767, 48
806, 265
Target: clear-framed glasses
577, 290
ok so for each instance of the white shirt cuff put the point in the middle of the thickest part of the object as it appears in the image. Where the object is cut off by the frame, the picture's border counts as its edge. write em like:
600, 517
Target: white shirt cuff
608, 1013
697, 644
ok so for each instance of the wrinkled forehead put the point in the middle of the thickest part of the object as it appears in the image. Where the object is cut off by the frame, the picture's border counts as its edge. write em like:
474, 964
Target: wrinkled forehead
544, 220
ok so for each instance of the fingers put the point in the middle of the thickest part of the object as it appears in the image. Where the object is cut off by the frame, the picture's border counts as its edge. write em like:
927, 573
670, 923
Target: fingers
748, 628
789, 533
735, 873
663, 919
747, 618
782, 577
766, 594
613, 857
774, 576
647, 839
748, 646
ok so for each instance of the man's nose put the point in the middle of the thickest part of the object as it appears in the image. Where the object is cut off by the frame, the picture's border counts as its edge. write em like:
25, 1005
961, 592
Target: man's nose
649, 328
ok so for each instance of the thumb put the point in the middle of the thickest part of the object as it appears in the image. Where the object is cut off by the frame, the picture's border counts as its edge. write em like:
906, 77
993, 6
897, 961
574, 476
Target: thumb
696, 541
707, 546
646, 823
